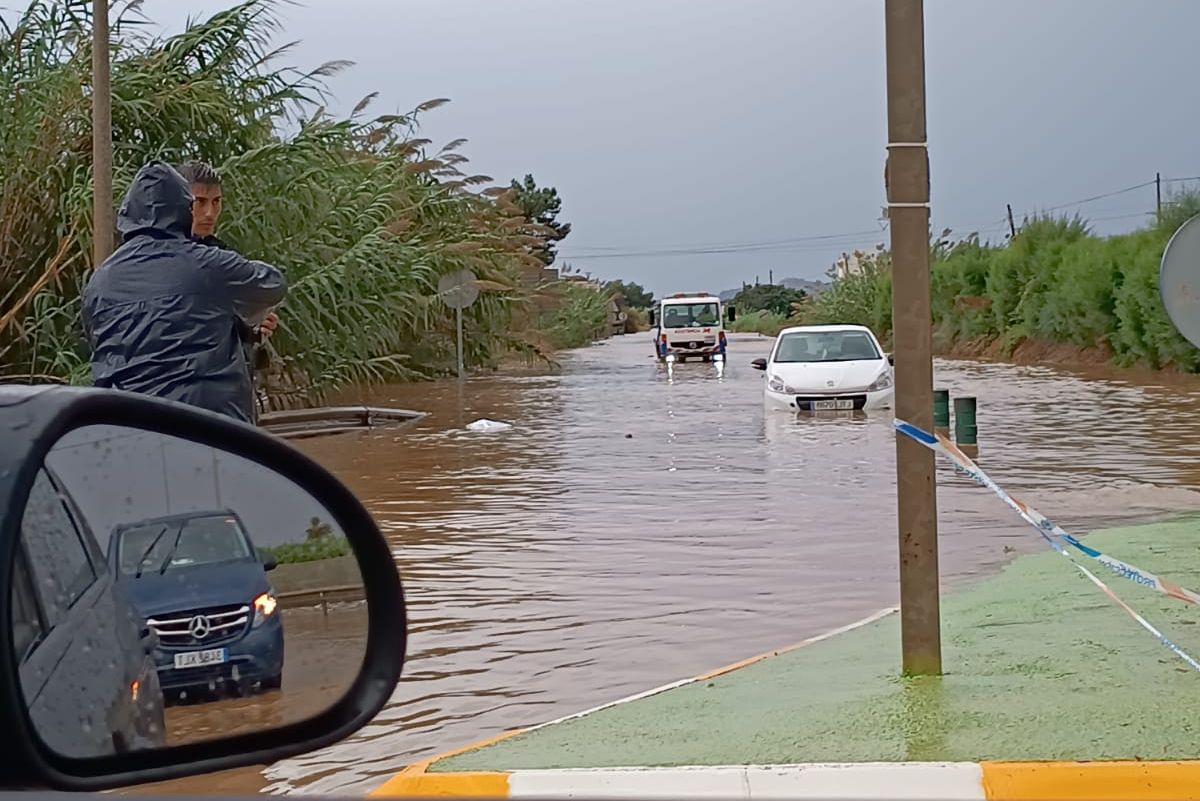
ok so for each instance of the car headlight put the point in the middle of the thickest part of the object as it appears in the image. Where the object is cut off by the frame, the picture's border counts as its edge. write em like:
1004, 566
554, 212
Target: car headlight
775, 384
264, 607
883, 382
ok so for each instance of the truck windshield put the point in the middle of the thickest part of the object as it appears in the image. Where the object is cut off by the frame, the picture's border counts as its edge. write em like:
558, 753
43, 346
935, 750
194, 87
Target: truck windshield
154, 548
826, 346
690, 315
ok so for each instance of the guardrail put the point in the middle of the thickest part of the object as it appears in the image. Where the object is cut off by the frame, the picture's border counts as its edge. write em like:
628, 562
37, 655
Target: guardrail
301, 423
321, 596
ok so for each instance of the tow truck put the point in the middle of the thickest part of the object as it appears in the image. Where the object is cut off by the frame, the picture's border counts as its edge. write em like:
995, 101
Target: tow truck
690, 325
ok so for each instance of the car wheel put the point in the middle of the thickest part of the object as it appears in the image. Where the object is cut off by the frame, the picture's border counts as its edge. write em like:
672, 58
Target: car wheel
273, 682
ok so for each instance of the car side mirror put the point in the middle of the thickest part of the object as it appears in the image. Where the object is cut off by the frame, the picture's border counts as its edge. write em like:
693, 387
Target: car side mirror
136, 524
759, 364
891, 358
653, 318
149, 638
731, 313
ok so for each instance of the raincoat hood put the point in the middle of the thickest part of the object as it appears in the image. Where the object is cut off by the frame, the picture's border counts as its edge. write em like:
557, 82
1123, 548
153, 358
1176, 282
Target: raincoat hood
158, 200
166, 315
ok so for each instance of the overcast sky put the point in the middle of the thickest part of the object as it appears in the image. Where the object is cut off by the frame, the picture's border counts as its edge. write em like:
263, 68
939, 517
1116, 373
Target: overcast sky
681, 124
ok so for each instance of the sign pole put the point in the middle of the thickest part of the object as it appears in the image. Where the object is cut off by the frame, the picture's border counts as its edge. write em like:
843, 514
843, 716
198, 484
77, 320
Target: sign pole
459, 314
907, 180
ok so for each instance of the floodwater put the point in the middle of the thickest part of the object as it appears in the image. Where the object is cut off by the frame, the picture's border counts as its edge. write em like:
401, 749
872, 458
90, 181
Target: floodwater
632, 529
324, 650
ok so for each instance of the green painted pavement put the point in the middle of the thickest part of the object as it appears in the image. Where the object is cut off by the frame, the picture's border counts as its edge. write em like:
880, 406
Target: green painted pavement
1039, 665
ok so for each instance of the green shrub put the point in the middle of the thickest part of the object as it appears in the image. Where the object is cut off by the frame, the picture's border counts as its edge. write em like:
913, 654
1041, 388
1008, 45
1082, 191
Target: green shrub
579, 316
759, 322
1055, 281
311, 550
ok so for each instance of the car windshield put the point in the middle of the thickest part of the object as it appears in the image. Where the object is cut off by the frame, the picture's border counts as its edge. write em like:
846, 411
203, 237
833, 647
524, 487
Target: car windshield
690, 315
159, 547
826, 346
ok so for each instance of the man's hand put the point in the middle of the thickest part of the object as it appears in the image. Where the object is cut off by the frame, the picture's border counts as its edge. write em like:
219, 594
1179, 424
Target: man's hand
269, 324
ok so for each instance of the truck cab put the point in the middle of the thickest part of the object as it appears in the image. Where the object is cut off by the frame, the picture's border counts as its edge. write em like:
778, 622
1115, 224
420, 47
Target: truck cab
690, 325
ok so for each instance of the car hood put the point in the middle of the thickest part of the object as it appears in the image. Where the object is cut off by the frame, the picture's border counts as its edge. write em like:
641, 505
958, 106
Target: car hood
187, 588
823, 377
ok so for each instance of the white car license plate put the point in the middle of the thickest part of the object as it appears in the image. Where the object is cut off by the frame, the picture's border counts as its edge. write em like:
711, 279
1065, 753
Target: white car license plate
839, 404
215, 656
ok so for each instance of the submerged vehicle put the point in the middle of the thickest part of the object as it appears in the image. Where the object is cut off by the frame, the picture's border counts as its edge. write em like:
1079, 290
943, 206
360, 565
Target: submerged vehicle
202, 586
690, 326
827, 368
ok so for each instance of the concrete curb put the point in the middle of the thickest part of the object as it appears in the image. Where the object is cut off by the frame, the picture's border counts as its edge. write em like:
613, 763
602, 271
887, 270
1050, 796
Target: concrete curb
936, 781
903, 781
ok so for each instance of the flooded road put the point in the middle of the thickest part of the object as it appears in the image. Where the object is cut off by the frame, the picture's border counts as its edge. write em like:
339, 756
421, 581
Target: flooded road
629, 531
325, 657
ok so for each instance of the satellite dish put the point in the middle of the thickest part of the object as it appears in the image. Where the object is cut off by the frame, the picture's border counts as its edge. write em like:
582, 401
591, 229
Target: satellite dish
458, 289
1179, 280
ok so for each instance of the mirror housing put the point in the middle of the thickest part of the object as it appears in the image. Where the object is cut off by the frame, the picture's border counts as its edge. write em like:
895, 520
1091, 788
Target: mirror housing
653, 317
759, 364
32, 420
731, 313
891, 358
268, 560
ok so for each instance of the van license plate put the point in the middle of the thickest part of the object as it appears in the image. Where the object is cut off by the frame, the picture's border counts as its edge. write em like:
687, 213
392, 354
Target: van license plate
838, 404
215, 656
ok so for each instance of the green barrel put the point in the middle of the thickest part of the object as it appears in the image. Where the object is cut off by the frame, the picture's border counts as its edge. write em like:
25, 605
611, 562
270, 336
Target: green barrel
941, 409
966, 430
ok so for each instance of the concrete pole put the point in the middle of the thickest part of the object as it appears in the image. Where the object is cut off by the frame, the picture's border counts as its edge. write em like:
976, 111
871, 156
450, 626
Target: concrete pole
103, 222
908, 212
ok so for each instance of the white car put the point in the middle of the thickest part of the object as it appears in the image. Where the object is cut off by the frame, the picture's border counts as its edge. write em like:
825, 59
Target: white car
819, 368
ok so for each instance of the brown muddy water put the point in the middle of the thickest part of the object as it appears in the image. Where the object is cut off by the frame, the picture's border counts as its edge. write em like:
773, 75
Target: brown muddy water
324, 650
630, 530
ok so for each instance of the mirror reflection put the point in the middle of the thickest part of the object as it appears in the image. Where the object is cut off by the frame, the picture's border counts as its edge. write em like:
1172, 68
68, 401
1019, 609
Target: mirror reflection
168, 592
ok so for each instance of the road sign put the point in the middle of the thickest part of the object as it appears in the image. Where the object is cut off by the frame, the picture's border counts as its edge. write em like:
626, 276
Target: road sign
458, 290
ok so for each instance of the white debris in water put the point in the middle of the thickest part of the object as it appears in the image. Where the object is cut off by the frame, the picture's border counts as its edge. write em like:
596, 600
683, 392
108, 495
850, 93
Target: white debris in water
488, 425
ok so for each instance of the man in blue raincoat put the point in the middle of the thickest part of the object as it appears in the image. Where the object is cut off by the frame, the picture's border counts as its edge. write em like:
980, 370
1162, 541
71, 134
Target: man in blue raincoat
207, 203
164, 313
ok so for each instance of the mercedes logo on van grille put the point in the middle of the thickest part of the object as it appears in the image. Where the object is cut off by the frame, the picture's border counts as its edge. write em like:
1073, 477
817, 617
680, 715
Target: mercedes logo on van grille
199, 627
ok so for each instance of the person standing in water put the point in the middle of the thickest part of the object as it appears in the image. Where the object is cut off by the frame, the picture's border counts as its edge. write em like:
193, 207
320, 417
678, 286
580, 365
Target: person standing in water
164, 315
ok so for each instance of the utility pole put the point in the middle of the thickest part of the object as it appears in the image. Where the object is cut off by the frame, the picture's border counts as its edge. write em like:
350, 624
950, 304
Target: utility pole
1012, 226
907, 181
771, 277
103, 222
1158, 196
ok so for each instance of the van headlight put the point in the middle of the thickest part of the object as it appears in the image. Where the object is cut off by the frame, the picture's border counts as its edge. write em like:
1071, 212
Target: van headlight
264, 607
883, 382
775, 384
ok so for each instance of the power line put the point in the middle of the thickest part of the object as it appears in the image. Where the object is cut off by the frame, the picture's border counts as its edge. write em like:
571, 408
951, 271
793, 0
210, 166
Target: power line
767, 246
1114, 193
846, 239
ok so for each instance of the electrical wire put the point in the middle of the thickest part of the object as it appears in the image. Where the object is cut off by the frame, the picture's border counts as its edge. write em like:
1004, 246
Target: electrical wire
846, 239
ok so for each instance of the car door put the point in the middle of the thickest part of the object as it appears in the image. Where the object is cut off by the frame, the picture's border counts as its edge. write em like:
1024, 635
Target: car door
72, 665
